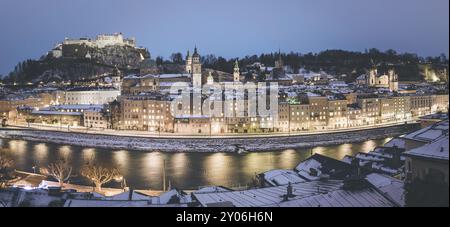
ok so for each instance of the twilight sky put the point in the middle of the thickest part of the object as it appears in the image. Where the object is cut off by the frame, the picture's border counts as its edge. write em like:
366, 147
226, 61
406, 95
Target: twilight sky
230, 28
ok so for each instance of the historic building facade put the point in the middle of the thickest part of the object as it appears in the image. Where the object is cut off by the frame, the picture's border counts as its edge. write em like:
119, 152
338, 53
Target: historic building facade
194, 67
389, 81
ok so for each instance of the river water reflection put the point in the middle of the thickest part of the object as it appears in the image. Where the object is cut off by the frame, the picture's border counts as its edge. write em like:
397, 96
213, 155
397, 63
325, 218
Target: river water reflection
143, 170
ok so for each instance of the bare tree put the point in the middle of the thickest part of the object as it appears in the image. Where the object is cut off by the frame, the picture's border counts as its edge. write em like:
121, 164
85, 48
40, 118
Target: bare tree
6, 169
60, 170
99, 175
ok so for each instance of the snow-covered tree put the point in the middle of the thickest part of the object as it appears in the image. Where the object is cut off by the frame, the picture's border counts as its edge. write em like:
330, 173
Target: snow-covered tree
60, 170
100, 175
6, 169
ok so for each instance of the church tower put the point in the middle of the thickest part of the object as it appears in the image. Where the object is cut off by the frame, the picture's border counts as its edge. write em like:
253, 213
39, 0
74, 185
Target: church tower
279, 63
116, 78
372, 77
393, 80
236, 73
188, 63
196, 69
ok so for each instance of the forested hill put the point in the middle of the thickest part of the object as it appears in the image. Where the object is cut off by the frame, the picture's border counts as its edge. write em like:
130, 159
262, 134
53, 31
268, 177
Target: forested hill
409, 67
337, 62
78, 62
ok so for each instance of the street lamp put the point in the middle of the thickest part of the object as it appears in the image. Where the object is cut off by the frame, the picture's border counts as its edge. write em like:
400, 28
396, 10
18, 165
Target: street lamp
122, 180
159, 127
289, 119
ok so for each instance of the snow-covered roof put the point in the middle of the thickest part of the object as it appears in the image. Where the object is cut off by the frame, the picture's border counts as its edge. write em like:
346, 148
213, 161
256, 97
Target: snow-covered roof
292, 75
279, 177
78, 106
436, 116
131, 76
126, 196
191, 116
347, 159
310, 94
166, 197
339, 85
278, 79
212, 189
319, 166
173, 75
149, 76
93, 110
92, 89
306, 167
49, 112
382, 167
340, 198
361, 77
396, 142
430, 133
369, 157
115, 203
166, 84
266, 196
384, 152
391, 187
435, 150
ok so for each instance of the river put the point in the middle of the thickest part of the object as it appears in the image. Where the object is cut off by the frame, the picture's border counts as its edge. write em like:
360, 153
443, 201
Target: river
143, 170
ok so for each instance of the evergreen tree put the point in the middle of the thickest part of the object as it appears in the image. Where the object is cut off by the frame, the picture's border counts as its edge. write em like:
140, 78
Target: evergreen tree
177, 58
159, 61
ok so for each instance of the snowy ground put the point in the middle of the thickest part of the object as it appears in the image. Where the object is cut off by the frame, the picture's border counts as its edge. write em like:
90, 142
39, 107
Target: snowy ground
204, 144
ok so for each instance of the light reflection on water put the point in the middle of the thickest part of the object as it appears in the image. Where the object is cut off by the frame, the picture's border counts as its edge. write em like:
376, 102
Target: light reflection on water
287, 158
150, 169
255, 162
217, 168
18, 150
144, 170
40, 153
88, 154
179, 163
65, 152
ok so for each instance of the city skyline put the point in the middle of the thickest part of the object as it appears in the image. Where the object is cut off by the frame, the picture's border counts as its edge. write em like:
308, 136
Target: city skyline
198, 104
285, 25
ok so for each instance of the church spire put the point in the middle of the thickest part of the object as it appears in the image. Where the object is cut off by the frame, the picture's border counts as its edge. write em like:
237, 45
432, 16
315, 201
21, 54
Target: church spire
195, 55
279, 62
195, 50
236, 73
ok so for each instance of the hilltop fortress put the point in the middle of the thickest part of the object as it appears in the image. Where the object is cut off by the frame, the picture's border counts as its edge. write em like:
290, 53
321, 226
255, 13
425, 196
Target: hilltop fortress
103, 40
88, 48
